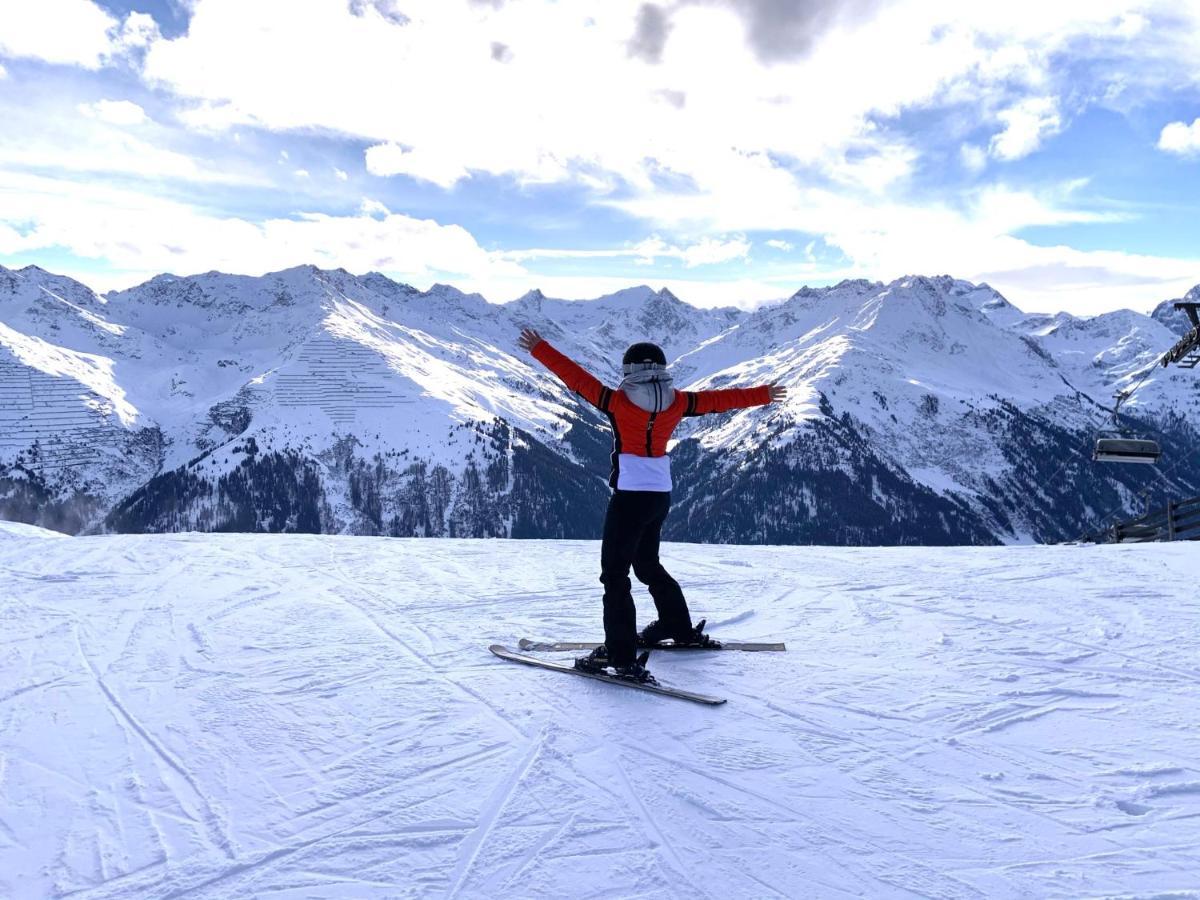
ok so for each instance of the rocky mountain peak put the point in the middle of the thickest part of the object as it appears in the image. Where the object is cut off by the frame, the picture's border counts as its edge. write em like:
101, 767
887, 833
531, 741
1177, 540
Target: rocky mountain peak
387, 287
34, 284
8, 282
663, 314
860, 285
1176, 319
530, 300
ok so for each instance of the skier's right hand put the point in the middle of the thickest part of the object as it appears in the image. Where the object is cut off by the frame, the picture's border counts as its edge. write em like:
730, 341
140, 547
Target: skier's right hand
529, 339
777, 391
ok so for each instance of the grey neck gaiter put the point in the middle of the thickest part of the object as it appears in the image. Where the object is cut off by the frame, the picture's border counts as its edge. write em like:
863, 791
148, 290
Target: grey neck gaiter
649, 388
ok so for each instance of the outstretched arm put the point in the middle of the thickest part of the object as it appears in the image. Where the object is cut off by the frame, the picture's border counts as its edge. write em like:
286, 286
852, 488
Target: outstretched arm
573, 375
703, 402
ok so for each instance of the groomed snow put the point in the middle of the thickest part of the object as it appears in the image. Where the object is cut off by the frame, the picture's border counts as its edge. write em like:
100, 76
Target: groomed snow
296, 716
12, 530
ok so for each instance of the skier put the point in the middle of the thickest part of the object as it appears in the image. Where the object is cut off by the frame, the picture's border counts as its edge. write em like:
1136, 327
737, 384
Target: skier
643, 412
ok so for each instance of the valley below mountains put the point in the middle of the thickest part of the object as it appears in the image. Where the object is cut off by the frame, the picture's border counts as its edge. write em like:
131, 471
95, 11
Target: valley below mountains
925, 411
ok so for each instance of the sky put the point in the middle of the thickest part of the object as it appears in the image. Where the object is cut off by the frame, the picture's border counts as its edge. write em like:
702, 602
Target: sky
730, 150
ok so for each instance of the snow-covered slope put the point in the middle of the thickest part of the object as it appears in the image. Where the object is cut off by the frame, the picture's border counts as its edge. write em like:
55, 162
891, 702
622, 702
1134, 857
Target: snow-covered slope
221, 716
67, 367
19, 530
929, 410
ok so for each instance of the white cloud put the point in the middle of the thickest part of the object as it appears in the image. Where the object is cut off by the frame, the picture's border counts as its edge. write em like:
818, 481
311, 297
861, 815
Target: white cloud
3, 72
776, 244
301, 173
786, 157
71, 32
1026, 125
74, 32
137, 32
138, 236
116, 112
884, 239
974, 159
710, 251
888, 165
136, 232
1180, 138
707, 251
1131, 25
209, 117
391, 159
746, 293
1000, 210
545, 116
74, 143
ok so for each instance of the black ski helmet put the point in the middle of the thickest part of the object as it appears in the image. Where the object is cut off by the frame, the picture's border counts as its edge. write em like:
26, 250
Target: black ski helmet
644, 352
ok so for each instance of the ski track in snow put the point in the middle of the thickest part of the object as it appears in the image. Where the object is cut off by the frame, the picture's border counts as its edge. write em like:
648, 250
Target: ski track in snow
223, 716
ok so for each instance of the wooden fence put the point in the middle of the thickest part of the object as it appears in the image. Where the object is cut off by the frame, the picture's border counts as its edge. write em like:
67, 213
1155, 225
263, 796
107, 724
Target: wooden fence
1177, 521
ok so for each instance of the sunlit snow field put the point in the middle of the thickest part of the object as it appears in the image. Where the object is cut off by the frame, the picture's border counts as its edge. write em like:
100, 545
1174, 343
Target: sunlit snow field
300, 716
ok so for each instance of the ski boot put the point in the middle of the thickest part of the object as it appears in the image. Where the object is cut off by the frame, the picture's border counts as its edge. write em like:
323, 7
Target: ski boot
595, 662
598, 663
636, 671
655, 633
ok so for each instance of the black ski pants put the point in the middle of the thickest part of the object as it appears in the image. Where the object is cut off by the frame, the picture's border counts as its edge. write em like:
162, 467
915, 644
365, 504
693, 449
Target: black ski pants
631, 537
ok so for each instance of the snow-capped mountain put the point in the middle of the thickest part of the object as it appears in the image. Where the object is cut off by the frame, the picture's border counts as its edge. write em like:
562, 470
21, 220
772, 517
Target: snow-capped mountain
957, 414
929, 410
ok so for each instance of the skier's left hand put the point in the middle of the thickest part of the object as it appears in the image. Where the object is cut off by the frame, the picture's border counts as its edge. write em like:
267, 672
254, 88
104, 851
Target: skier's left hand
529, 339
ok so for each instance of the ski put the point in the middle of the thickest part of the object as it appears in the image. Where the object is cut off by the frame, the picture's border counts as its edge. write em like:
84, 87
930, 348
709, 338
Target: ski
563, 646
504, 653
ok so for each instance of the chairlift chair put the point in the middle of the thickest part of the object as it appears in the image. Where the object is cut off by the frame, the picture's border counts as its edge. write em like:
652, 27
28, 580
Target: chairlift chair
1117, 448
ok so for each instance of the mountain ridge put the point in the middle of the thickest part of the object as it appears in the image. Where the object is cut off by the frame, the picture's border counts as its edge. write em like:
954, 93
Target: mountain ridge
408, 411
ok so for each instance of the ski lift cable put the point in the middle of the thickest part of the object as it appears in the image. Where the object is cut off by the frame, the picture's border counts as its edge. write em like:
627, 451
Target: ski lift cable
1122, 396
1116, 445
1048, 482
1045, 483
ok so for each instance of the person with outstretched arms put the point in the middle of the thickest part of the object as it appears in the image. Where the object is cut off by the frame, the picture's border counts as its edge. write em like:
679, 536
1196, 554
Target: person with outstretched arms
643, 411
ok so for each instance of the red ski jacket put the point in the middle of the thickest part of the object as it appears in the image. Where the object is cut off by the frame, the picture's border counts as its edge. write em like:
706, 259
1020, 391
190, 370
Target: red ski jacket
640, 437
